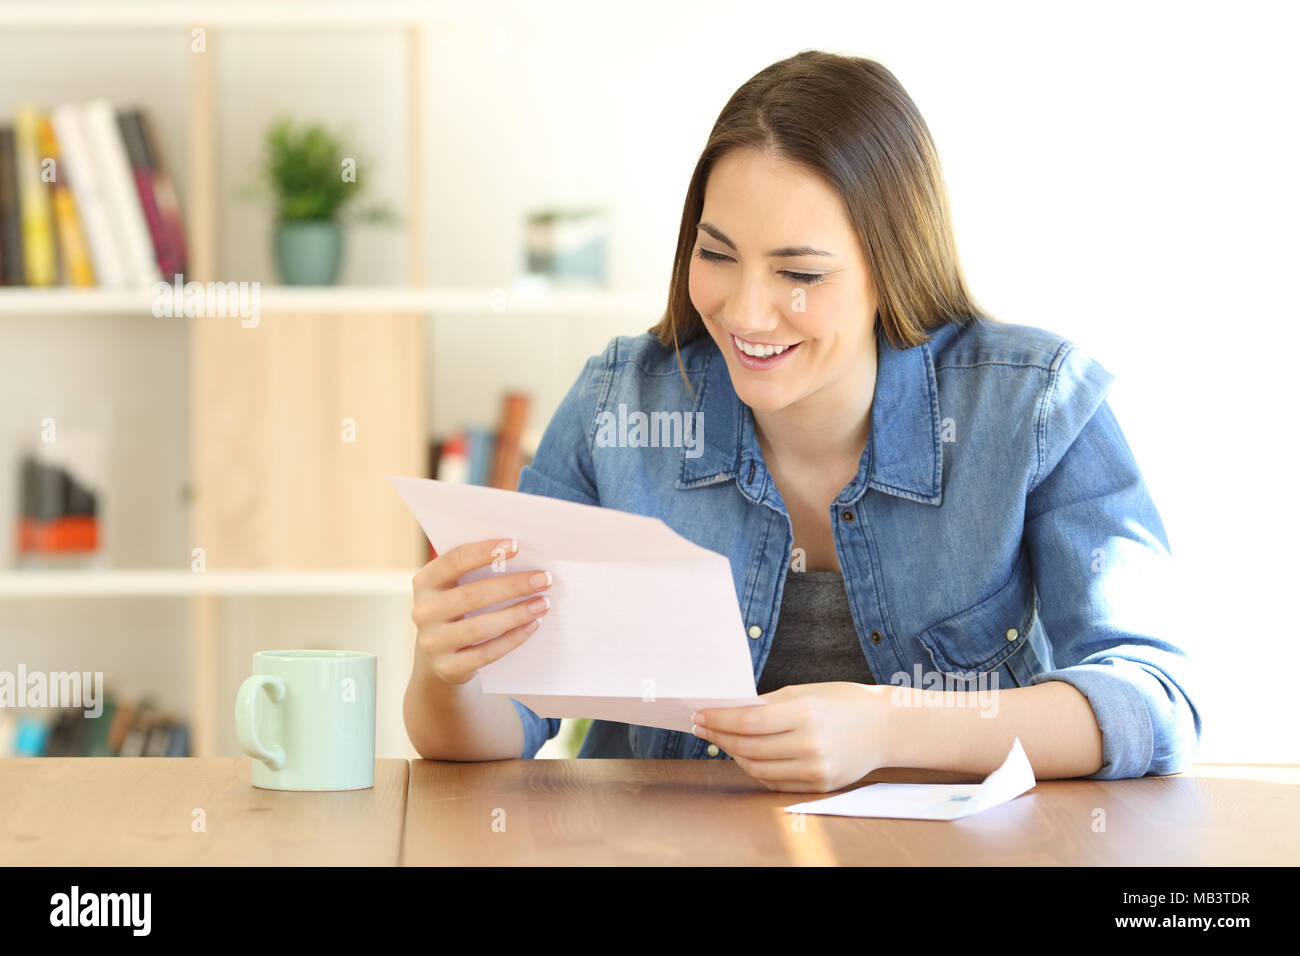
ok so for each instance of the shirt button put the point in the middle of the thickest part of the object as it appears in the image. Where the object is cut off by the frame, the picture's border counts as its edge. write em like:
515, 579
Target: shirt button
875, 637
1012, 634
755, 631
713, 750
847, 516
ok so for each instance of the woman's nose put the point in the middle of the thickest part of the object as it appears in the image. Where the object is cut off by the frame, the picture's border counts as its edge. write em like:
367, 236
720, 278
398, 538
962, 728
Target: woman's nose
751, 308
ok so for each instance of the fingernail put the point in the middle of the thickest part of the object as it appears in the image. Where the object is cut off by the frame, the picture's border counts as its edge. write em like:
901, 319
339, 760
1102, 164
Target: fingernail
539, 605
697, 719
696, 731
509, 547
541, 579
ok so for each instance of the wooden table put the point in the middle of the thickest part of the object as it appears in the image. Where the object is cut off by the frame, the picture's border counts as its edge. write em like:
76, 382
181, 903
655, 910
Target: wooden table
675, 812
140, 811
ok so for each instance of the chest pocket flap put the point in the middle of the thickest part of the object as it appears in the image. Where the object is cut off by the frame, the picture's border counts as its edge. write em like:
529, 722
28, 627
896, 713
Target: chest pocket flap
980, 638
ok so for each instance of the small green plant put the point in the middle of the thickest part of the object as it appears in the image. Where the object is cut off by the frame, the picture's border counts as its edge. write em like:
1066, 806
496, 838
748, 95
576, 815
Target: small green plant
311, 177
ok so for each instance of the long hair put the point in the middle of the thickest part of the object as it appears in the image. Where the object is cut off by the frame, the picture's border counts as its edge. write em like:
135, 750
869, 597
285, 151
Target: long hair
850, 121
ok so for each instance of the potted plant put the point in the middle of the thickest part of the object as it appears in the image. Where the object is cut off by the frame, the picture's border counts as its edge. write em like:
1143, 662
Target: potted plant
314, 183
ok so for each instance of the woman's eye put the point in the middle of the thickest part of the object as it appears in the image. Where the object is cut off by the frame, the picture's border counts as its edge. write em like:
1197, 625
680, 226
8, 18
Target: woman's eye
803, 278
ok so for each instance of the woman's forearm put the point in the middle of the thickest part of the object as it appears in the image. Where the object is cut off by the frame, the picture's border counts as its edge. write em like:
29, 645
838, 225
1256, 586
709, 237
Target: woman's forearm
458, 721
948, 730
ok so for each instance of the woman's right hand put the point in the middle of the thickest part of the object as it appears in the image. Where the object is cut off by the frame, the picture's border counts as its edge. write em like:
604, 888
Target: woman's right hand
456, 646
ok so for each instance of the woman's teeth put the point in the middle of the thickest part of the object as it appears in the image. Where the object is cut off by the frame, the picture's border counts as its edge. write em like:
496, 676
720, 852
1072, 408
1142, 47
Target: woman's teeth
758, 351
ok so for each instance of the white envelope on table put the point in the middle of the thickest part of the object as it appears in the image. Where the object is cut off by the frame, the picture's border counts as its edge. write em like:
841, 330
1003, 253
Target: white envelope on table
643, 628
931, 801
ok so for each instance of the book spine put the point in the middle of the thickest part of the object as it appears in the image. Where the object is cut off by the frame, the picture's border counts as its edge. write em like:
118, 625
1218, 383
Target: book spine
168, 206
508, 461
120, 191
39, 262
87, 190
137, 154
72, 240
11, 232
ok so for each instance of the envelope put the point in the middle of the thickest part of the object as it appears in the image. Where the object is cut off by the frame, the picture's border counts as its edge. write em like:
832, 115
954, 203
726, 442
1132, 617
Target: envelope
644, 627
931, 801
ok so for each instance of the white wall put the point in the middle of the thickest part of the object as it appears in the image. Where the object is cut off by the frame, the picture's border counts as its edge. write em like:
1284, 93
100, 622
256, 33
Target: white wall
1121, 173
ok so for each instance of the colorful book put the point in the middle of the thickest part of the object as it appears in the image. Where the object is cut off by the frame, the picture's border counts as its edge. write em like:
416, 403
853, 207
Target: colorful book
508, 460
453, 463
73, 252
157, 196
89, 191
39, 263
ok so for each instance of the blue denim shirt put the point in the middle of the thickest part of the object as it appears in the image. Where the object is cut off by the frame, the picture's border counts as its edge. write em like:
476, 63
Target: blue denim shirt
997, 534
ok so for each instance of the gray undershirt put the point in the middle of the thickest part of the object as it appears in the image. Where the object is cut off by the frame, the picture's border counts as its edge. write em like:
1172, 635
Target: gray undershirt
815, 640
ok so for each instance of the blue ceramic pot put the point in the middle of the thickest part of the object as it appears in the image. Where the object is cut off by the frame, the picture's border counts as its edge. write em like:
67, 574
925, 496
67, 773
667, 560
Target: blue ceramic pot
308, 251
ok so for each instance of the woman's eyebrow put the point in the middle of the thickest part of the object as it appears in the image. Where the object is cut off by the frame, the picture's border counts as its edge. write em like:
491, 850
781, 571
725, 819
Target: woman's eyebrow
785, 252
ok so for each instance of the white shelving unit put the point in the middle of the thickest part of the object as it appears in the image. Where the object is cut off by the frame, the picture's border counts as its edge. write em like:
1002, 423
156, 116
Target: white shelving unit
466, 302
362, 582
221, 601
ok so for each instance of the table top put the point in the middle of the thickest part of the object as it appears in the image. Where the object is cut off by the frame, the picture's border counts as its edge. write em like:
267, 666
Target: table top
675, 812
142, 812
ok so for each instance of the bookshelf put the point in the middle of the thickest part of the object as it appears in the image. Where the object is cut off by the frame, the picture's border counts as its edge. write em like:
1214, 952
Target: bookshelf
468, 303
283, 515
362, 582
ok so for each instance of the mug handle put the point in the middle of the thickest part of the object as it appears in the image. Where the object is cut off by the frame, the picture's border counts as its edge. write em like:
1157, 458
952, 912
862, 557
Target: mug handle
245, 726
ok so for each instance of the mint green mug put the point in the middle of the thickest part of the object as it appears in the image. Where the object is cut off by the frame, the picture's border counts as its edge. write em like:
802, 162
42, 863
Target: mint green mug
314, 728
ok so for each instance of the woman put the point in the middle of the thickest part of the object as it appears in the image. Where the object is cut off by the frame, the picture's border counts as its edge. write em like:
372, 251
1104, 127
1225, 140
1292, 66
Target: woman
939, 537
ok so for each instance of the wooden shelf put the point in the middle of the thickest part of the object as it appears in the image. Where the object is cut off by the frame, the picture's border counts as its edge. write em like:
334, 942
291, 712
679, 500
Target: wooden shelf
55, 302
181, 583
136, 14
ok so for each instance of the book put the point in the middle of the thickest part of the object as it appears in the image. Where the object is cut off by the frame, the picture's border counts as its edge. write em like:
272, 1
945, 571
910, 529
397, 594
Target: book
30, 736
122, 198
453, 462
137, 734
89, 193
95, 742
74, 254
178, 744
507, 461
40, 267
58, 513
159, 737
156, 192
482, 447
121, 724
11, 230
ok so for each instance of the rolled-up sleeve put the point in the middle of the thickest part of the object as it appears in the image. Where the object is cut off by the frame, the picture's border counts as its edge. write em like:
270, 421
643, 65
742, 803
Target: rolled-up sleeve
1106, 579
563, 468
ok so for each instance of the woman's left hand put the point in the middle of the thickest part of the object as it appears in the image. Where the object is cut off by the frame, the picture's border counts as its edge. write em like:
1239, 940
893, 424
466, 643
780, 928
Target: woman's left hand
806, 737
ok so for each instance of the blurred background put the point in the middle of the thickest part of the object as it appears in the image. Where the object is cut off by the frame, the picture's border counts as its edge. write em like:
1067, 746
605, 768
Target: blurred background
177, 492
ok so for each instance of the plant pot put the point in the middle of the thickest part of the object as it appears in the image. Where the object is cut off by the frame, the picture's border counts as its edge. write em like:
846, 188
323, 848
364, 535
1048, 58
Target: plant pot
308, 251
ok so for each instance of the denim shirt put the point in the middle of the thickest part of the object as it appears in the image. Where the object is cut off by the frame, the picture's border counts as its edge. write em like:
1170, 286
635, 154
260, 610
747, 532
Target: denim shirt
997, 534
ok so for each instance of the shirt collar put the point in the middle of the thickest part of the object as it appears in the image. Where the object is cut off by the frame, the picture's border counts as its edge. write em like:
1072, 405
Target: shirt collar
904, 454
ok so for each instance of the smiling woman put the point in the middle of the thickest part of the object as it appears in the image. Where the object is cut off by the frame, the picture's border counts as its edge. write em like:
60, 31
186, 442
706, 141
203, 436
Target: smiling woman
910, 494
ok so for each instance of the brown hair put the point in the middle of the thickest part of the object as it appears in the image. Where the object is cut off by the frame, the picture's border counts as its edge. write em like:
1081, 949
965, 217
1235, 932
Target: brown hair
850, 121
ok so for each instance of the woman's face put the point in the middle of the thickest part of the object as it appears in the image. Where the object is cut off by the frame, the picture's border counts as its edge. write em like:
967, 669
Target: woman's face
777, 263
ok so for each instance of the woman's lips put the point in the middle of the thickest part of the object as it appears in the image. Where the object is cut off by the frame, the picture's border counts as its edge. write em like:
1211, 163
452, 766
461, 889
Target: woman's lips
761, 364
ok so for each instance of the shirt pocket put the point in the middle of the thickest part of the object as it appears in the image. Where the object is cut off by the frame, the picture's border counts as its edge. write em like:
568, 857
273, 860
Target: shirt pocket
988, 639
